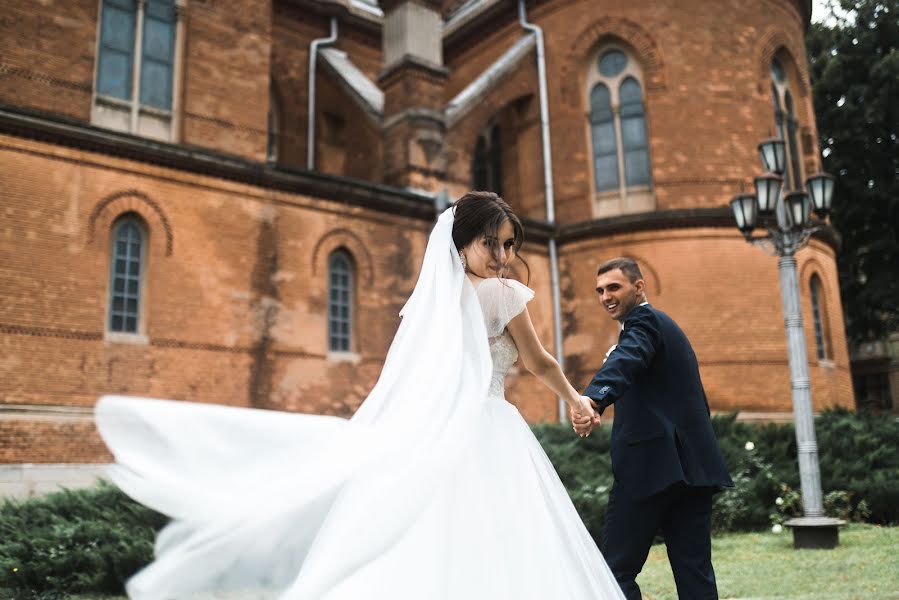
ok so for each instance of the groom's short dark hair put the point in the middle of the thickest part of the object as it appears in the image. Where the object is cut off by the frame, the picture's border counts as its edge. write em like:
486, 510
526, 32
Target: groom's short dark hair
628, 266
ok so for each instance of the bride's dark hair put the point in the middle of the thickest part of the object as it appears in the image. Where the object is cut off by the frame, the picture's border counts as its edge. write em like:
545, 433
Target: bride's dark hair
481, 214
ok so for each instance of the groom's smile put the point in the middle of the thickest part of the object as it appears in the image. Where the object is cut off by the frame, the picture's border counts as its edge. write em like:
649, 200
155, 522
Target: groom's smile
618, 294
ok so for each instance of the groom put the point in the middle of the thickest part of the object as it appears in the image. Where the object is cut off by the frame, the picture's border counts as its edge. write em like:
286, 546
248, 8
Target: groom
665, 457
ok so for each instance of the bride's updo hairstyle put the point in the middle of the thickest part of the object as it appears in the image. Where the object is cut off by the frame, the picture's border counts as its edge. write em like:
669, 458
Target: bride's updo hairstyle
481, 214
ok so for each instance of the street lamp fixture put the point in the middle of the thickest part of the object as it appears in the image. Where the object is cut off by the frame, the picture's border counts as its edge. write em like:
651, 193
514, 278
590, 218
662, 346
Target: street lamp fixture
820, 189
767, 191
798, 210
746, 212
788, 232
774, 155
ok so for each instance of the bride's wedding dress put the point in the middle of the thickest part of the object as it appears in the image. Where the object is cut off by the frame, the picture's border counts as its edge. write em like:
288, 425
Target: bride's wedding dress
435, 489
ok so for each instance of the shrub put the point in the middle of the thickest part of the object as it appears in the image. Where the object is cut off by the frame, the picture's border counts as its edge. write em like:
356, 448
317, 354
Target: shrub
74, 541
585, 468
858, 455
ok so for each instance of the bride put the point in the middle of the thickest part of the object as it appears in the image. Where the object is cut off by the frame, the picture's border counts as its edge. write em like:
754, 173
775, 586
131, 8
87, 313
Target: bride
435, 489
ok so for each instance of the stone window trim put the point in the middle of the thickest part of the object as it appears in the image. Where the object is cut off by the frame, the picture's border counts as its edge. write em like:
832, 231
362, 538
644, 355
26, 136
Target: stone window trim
118, 283
627, 198
131, 116
353, 358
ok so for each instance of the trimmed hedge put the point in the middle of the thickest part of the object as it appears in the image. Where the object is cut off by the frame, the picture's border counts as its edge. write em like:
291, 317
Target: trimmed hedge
74, 541
858, 452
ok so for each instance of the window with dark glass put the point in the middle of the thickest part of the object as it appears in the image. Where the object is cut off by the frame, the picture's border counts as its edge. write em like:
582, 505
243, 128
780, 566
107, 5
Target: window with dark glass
792, 127
819, 318
157, 54
605, 142
274, 126
487, 161
872, 391
786, 123
136, 67
125, 276
340, 296
612, 62
114, 72
633, 134
618, 125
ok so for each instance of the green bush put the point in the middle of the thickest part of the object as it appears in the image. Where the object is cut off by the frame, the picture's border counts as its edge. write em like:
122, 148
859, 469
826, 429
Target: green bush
585, 468
858, 452
93, 540
74, 541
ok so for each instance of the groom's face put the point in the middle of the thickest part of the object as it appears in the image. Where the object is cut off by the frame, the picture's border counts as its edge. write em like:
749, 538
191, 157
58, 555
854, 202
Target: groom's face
618, 294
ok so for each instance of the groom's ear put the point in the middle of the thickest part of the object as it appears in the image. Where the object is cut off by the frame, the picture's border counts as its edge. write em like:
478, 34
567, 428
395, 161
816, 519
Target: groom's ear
641, 286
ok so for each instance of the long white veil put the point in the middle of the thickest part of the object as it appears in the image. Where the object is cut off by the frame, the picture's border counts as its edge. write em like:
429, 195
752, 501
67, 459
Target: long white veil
265, 500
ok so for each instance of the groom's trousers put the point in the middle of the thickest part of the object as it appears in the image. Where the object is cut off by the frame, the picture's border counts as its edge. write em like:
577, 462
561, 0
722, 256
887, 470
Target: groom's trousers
684, 516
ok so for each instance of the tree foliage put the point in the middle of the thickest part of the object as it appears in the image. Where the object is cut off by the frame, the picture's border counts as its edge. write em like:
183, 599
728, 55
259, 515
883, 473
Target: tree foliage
854, 62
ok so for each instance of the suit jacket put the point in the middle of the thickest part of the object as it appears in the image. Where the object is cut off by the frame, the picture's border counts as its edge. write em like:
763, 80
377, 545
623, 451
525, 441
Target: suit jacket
662, 434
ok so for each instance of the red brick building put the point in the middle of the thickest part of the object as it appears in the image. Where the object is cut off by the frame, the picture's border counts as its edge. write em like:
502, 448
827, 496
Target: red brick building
175, 224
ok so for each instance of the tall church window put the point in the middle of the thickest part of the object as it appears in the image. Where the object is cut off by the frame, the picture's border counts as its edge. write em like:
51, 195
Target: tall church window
819, 319
340, 300
619, 140
274, 126
786, 123
486, 163
126, 274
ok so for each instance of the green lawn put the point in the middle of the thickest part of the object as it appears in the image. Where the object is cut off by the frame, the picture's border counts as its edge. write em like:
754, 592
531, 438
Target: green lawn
765, 565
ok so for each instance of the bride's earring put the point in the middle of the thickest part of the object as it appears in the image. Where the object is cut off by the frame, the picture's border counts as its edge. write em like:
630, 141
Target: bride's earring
464, 262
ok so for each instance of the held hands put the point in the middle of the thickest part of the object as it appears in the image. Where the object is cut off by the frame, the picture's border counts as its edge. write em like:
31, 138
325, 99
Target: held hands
583, 416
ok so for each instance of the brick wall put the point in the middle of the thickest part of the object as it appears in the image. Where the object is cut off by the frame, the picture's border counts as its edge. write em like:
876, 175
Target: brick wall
47, 56
235, 291
706, 86
235, 299
725, 295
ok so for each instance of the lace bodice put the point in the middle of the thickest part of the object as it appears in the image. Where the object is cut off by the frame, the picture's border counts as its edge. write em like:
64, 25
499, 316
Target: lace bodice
501, 301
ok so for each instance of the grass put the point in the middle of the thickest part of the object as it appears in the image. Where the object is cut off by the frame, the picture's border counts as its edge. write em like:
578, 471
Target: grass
765, 565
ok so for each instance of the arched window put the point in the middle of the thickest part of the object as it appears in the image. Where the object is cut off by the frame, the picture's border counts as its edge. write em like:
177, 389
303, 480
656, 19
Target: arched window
487, 161
126, 273
786, 123
819, 318
340, 301
619, 139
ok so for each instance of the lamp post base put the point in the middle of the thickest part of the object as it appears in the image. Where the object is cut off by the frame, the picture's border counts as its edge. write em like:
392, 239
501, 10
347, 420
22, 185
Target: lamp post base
815, 532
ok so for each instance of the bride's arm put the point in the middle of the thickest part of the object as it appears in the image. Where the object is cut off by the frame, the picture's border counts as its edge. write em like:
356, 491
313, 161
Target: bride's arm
541, 363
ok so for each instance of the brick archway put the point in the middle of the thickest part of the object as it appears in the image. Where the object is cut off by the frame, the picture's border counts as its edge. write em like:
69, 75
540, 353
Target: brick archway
343, 238
769, 45
591, 36
116, 204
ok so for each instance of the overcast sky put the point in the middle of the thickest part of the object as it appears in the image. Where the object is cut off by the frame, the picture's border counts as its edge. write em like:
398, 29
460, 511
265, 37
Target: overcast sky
819, 10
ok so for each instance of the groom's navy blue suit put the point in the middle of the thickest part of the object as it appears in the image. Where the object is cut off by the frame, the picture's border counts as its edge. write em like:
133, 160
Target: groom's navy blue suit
665, 456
